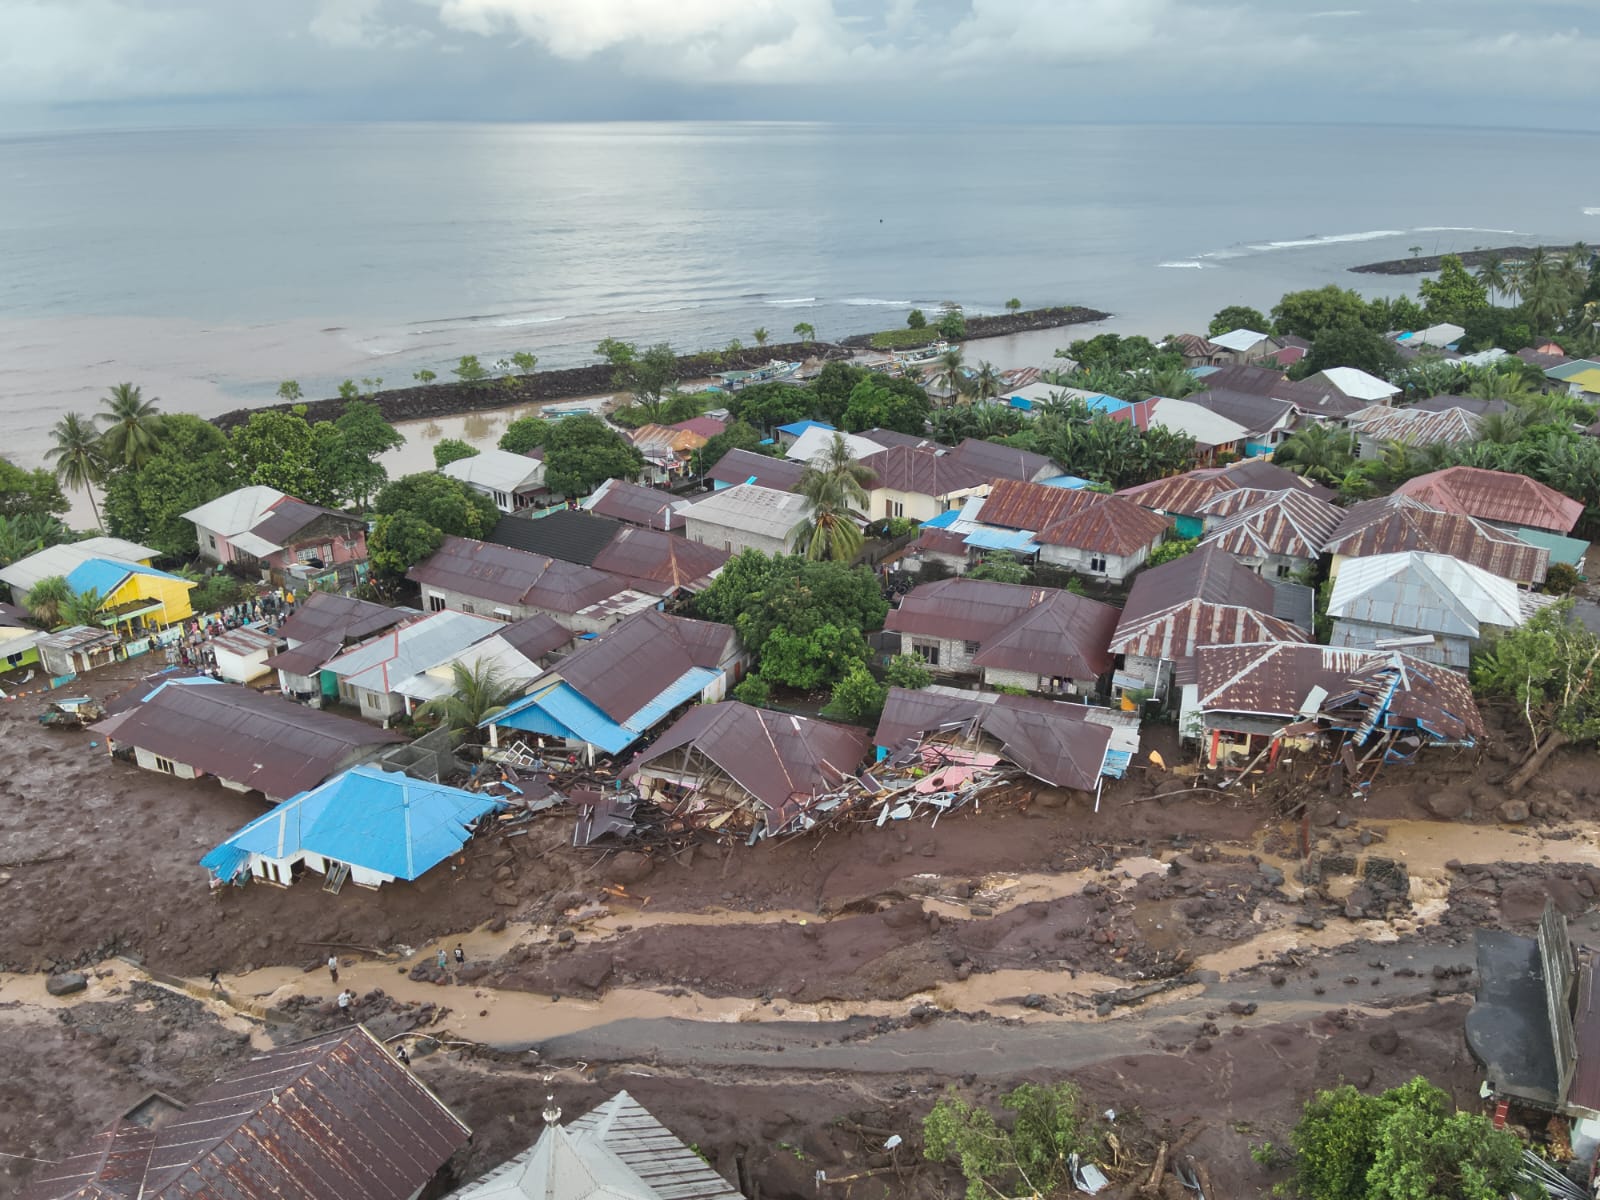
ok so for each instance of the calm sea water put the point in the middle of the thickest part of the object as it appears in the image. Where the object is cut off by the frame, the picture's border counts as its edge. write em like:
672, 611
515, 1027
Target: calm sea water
209, 265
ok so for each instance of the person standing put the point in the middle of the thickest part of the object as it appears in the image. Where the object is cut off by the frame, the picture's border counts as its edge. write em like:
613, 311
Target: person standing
461, 957
333, 967
216, 980
344, 1004
444, 960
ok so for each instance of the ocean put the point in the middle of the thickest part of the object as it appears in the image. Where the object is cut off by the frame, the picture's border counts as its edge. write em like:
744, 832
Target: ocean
208, 265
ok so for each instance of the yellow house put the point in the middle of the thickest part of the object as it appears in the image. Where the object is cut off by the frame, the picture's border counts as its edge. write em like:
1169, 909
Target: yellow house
132, 592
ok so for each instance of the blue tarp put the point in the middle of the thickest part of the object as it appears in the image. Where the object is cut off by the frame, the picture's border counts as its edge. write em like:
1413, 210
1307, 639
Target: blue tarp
944, 520
381, 821
1116, 763
1017, 540
796, 428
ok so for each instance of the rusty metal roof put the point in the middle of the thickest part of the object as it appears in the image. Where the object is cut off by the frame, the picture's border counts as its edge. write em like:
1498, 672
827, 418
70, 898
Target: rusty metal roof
1206, 573
344, 618
922, 470
505, 576
332, 1117
1205, 598
660, 563
994, 461
1501, 496
1047, 631
536, 636
1070, 517
1394, 523
286, 519
270, 744
943, 541
1256, 524
630, 665
1584, 1090
740, 466
637, 505
1415, 427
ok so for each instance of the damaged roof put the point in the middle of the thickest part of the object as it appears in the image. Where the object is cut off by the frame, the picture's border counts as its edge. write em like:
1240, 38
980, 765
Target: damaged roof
502, 575
1256, 524
782, 761
335, 1115
1077, 519
1055, 742
1394, 523
1502, 496
325, 614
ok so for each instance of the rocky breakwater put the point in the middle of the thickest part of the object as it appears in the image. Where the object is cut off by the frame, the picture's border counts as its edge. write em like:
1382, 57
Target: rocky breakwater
1006, 324
451, 398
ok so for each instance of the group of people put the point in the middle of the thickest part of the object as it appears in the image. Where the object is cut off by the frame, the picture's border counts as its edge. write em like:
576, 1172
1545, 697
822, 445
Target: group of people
193, 649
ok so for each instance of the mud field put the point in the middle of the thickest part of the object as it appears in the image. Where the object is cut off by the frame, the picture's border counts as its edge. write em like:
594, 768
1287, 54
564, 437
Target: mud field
1198, 961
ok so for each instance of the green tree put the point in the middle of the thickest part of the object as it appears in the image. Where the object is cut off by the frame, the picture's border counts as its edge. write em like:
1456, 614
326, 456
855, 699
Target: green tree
1454, 295
812, 660
366, 431
831, 390
78, 457
83, 608
1350, 346
754, 691
1318, 452
907, 671
581, 452
768, 405
880, 403
469, 370
1491, 275
835, 489
525, 433
289, 390
949, 374
1000, 567
806, 332
856, 697
1406, 1144
647, 376
132, 426
760, 335
277, 449
476, 693
146, 504
738, 435
1032, 1158
28, 533
363, 435
399, 541
952, 325
1561, 579
915, 319
447, 504
48, 598
424, 376
1013, 305
449, 450
1238, 316
1308, 313
524, 362
1549, 667
348, 390
29, 493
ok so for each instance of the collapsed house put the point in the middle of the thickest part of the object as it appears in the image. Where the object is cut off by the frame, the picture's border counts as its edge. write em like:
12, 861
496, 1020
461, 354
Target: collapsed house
1251, 702
730, 767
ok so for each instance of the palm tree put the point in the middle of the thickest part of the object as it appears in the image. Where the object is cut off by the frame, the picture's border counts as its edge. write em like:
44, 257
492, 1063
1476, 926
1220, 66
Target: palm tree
986, 383
78, 456
1317, 452
1515, 273
949, 375
1492, 275
47, 598
133, 427
1544, 292
477, 693
1495, 384
1501, 428
1173, 383
760, 335
83, 608
835, 489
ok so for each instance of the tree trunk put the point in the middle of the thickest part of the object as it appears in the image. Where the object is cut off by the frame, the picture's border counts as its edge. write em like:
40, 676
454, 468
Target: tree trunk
1552, 743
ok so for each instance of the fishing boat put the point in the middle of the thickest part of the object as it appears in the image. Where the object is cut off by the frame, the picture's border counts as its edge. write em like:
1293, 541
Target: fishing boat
771, 373
922, 355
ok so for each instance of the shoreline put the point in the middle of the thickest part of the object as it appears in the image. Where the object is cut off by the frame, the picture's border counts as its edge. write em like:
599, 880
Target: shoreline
1423, 264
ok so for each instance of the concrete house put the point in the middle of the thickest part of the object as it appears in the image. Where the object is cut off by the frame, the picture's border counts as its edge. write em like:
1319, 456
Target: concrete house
1266, 422
1377, 427
818, 441
647, 560
1355, 385
516, 654
1042, 639
261, 528
746, 466
512, 481
489, 580
372, 674
1277, 534
1091, 533
669, 449
918, 483
1392, 524
1244, 345
746, 517
321, 627
1184, 497
242, 653
134, 594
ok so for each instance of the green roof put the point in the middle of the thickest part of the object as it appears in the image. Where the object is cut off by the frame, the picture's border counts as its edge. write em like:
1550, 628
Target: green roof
1562, 549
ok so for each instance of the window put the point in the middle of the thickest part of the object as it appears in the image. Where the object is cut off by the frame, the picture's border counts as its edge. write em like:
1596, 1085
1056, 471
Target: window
165, 765
467, 608
893, 508
1283, 571
728, 546
1097, 562
501, 500
436, 603
927, 652
211, 541
970, 647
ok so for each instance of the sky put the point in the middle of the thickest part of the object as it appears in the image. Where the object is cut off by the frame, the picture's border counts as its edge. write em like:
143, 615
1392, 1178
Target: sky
94, 63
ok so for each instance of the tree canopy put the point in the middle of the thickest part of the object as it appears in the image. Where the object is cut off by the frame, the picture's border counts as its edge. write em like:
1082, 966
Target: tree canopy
29, 493
1350, 345
581, 452
146, 503
882, 403
525, 433
1454, 296
1307, 313
416, 513
1238, 316
1549, 667
737, 435
646, 375
449, 450
768, 405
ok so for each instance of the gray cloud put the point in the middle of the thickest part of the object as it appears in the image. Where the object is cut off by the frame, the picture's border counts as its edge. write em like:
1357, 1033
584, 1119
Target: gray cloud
1179, 60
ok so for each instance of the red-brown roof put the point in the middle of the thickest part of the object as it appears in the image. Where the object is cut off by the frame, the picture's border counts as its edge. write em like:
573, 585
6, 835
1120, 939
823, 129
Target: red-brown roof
1190, 493
506, 576
1082, 520
660, 563
1391, 524
922, 470
1257, 524
641, 658
994, 461
637, 505
1495, 496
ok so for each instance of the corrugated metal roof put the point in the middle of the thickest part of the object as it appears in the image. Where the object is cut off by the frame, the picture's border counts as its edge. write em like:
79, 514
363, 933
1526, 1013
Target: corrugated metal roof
650, 507
1357, 384
1391, 524
1206, 426
105, 575
289, 517
1571, 551
571, 535
922, 470
1014, 540
502, 575
750, 508
1044, 630
239, 510
1239, 340
273, 745
1068, 517
994, 461
1206, 573
245, 640
1291, 524
661, 563
739, 466
1428, 593
1495, 496
497, 470
392, 657
1253, 412
817, 441
335, 1115
535, 636
383, 821
1573, 366
328, 614
64, 558
1415, 427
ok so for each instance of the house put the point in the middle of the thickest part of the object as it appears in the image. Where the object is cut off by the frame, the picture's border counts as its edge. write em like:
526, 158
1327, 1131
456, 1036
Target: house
124, 556
746, 466
1579, 378
1087, 532
918, 483
1199, 351
333, 1117
787, 435
1571, 551
1436, 606
740, 768
617, 1151
1042, 639
633, 504
647, 560
77, 649
1252, 701
669, 449
480, 577
261, 528
321, 626
514, 655
1354, 385
1266, 422
191, 727
1500, 497
1214, 435
1379, 426
613, 690
1205, 598
367, 825
1184, 497
1243, 345
1058, 743
818, 441
242, 653
1442, 336
19, 641
133, 597
1278, 534
370, 675
994, 461
746, 517
512, 481
1391, 524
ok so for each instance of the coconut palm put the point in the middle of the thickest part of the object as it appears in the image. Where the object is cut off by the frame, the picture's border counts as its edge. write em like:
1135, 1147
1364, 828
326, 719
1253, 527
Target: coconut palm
132, 427
1493, 383
78, 456
1544, 291
985, 384
1492, 275
477, 693
835, 489
47, 598
83, 608
760, 335
1501, 428
949, 374
1173, 383
1515, 272
1317, 452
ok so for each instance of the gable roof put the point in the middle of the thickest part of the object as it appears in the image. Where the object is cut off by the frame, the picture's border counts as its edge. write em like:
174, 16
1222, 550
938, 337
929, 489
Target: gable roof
1205, 425
817, 441
239, 510
1238, 340
1475, 405
572, 535
751, 508
635, 504
1043, 631
1054, 742
743, 466
1495, 496
1071, 517
502, 575
1189, 493
1394, 523
994, 461
660, 563
1256, 524
497, 470
273, 745
617, 1151
105, 575
1415, 426
1431, 593
782, 761
62, 559
922, 470
335, 1115
893, 437
1251, 412
388, 660
1357, 384
279, 526
343, 618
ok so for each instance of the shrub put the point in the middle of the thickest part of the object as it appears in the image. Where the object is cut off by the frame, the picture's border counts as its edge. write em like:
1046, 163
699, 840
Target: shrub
907, 671
915, 319
1031, 1158
753, 690
1561, 578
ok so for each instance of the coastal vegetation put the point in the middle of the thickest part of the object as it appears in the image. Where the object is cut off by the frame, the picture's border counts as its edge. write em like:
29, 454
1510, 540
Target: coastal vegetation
835, 489
580, 452
415, 513
449, 450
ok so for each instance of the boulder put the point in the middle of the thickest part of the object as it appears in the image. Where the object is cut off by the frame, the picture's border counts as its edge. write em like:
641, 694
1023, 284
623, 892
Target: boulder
1448, 805
65, 983
630, 867
1273, 875
1514, 811
1385, 1041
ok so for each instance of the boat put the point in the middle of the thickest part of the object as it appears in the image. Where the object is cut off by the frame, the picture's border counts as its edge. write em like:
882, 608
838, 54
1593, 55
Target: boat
771, 373
924, 354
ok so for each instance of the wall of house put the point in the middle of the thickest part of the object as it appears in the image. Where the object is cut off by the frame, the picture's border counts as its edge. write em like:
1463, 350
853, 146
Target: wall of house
953, 656
332, 548
301, 685
1115, 567
731, 540
374, 705
242, 668
1044, 684
172, 594
915, 506
1153, 672
147, 760
213, 546
435, 598
1274, 566
1448, 651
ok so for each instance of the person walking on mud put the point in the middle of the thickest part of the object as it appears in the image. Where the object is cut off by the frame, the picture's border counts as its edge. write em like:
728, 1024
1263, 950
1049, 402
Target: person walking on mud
333, 967
345, 997
461, 958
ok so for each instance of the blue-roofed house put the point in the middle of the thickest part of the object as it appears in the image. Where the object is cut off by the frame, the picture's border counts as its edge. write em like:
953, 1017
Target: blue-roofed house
131, 591
614, 689
374, 825
788, 435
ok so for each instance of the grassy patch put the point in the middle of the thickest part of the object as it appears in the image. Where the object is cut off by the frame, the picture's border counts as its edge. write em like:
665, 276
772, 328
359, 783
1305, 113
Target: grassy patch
904, 339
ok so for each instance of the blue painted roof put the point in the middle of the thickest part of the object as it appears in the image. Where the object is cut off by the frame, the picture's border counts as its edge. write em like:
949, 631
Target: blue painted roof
1073, 482
1019, 540
1202, 371
1106, 404
799, 427
561, 711
944, 520
686, 687
105, 575
380, 820
1020, 403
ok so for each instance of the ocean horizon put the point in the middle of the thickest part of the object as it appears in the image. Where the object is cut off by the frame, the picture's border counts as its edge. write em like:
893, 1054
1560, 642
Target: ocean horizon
207, 264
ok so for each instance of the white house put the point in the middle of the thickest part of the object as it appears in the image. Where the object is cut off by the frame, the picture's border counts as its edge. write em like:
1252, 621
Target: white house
746, 517
510, 480
817, 441
242, 653
1355, 384
371, 674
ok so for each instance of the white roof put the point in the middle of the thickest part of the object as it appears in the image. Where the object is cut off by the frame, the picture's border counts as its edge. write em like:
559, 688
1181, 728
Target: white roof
1358, 385
751, 508
1238, 339
816, 441
1482, 358
1430, 592
62, 560
497, 470
391, 658
239, 510
1196, 421
494, 654
1441, 335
